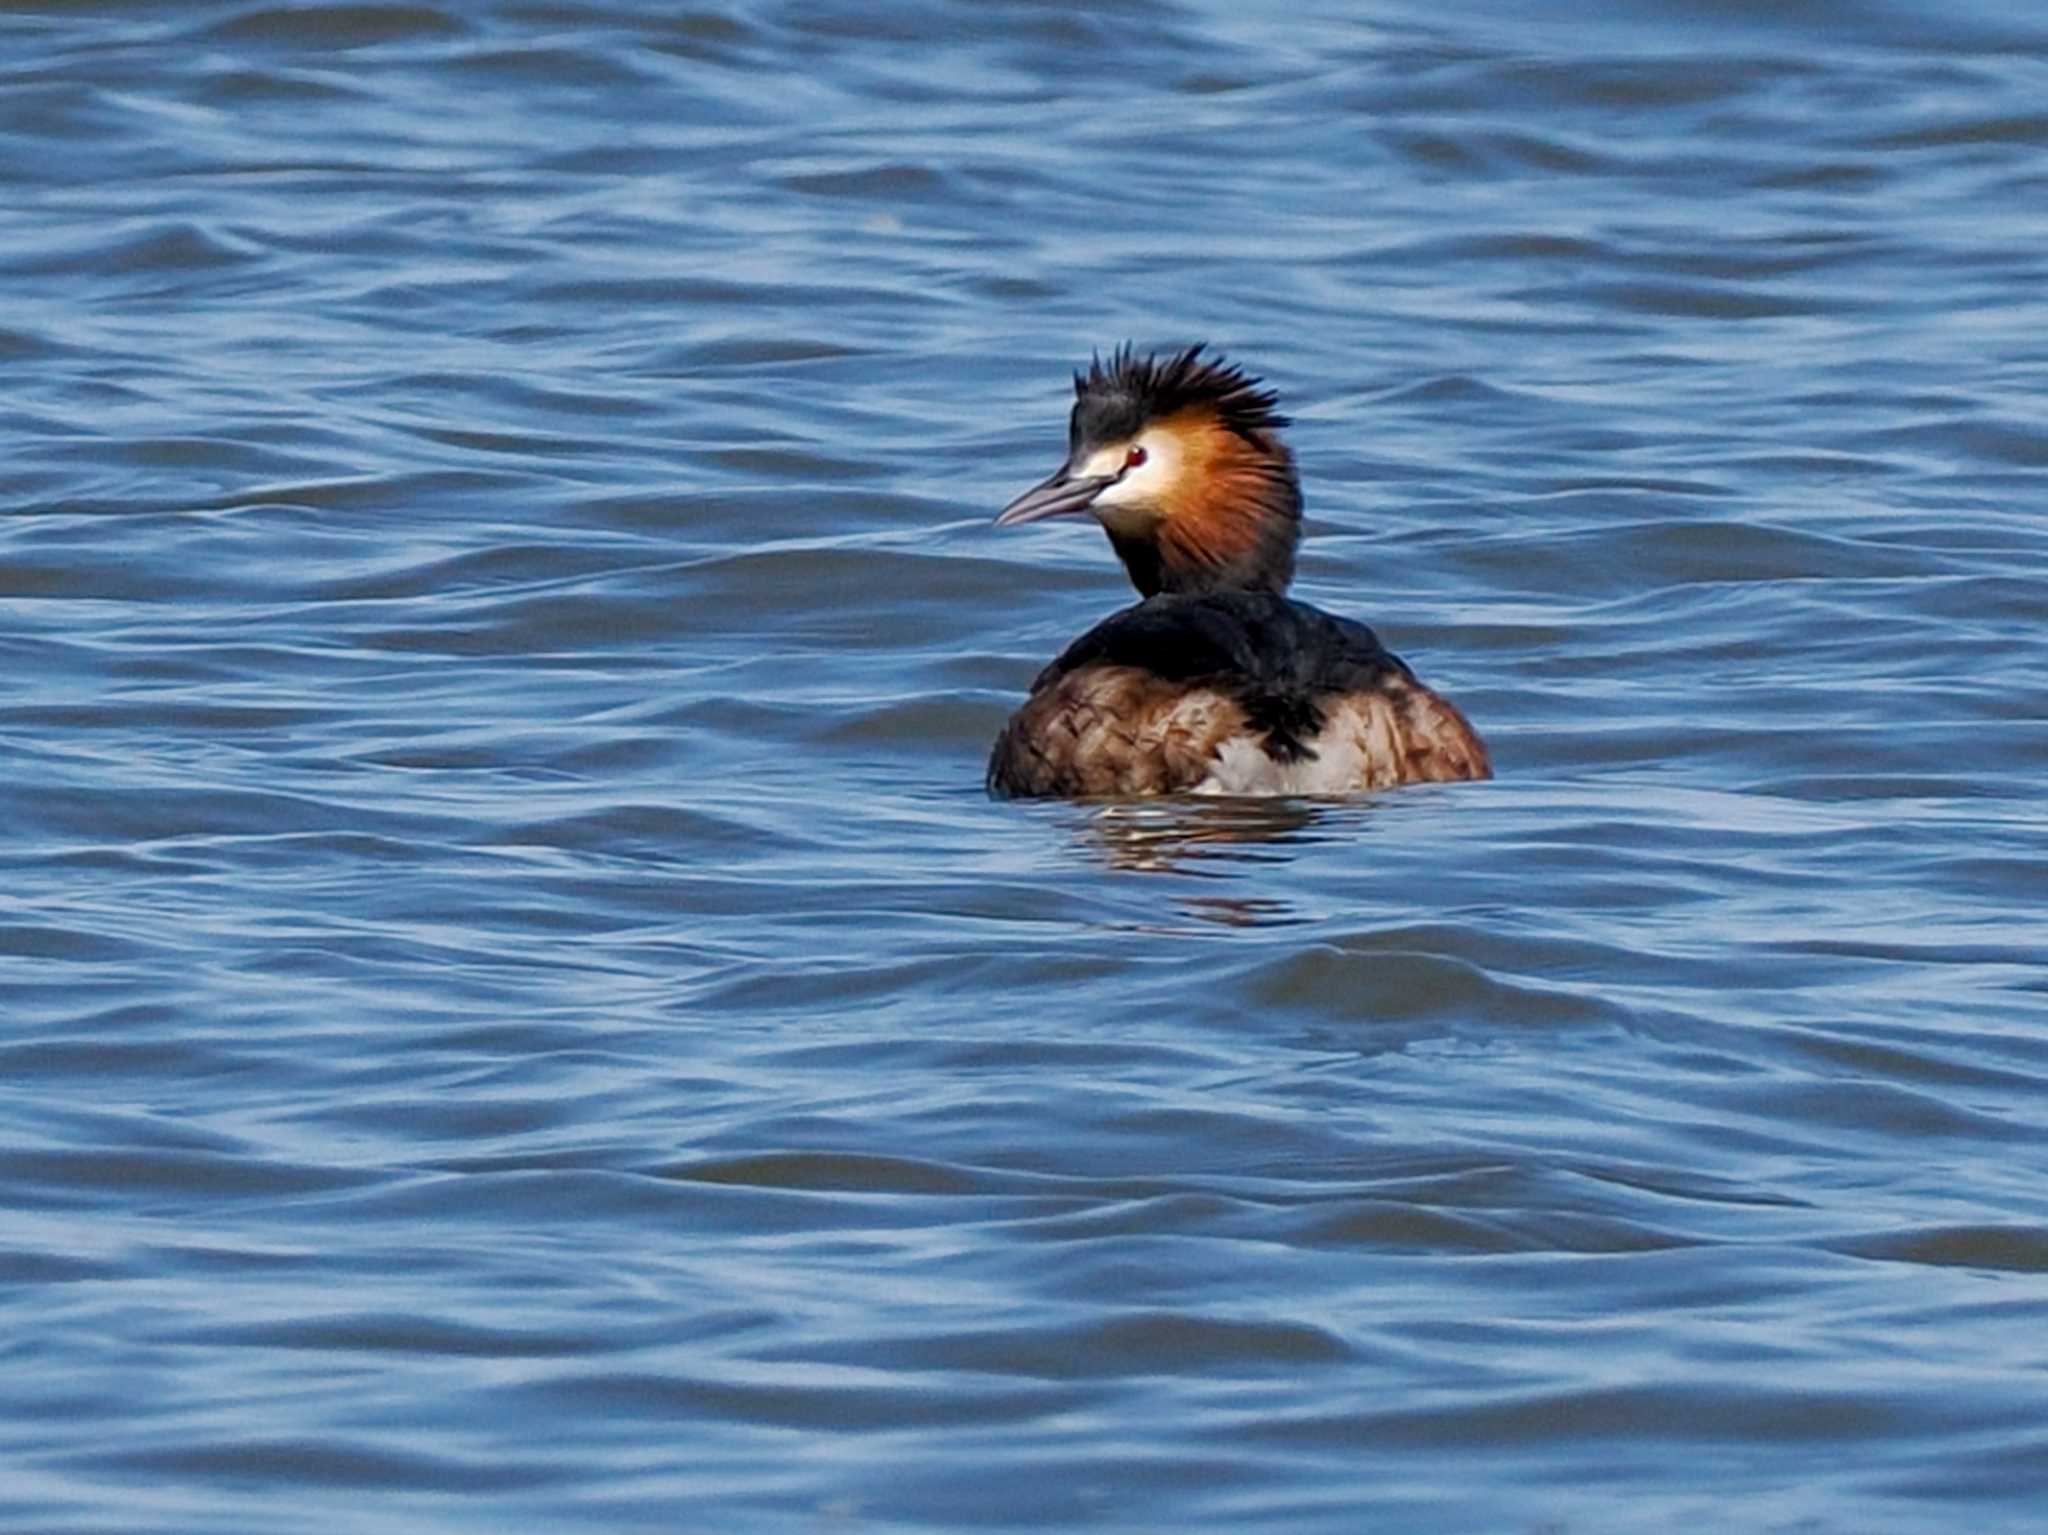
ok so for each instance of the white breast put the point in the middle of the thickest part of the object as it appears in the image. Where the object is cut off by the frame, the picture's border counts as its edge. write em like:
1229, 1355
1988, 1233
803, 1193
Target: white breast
1242, 767
1361, 746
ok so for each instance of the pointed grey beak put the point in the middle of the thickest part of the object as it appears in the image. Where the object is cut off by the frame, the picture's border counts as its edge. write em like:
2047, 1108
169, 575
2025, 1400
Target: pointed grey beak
1055, 497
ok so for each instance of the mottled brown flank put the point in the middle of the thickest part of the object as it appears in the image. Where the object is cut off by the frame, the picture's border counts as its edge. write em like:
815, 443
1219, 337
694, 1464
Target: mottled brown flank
1121, 730
1432, 741
1111, 730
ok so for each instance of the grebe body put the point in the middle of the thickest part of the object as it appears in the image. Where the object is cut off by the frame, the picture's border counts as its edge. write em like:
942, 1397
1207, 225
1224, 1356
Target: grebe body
1217, 682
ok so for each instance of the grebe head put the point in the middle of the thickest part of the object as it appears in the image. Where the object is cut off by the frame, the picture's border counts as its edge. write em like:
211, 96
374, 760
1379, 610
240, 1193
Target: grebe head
1179, 458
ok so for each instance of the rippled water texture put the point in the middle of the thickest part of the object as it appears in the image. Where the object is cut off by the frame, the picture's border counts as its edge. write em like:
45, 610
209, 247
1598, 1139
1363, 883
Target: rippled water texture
519, 1016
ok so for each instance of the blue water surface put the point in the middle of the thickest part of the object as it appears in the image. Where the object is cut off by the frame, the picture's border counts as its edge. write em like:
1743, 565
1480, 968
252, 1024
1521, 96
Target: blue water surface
517, 1014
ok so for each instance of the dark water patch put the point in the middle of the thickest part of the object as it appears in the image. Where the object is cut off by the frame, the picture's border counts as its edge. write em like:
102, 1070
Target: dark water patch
22, 941
1935, 1063
1639, 83
938, 717
34, 1268
893, 181
479, 1119
78, 1177
1378, 984
2001, 1249
2024, 129
1135, 1345
98, 1058
2020, 443
537, 1198
766, 351
374, 1333
865, 1174
643, 294
802, 1402
285, 87
191, 813
1698, 1416
1371, 1225
325, 1463
535, 66
339, 27
638, 831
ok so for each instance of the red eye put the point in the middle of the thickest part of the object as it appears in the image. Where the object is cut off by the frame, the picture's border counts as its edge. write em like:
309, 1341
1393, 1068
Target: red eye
1135, 457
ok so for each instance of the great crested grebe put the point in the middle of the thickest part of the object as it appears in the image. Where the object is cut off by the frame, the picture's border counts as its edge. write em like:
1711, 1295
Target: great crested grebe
1217, 682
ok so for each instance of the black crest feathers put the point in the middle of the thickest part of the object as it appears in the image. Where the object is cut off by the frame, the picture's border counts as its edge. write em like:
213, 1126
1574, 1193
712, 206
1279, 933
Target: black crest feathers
1115, 398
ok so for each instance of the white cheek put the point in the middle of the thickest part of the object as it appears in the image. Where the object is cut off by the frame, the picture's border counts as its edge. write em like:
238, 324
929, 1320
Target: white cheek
1125, 492
1142, 487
